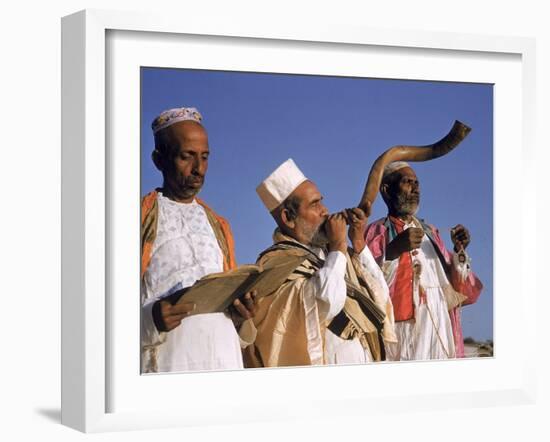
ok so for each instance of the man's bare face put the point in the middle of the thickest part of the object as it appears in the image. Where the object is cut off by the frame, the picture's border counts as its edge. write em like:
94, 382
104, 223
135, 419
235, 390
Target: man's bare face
405, 192
184, 172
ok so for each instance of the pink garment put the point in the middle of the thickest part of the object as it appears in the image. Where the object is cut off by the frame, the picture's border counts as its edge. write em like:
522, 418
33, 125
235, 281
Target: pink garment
377, 237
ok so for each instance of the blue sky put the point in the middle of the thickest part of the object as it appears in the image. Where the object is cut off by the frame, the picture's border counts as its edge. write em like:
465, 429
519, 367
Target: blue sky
334, 128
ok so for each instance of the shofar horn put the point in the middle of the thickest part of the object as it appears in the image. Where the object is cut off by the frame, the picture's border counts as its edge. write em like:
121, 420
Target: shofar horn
409, 153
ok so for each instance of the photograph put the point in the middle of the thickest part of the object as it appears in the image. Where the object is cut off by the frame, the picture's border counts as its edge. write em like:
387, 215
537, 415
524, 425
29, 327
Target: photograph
296, 220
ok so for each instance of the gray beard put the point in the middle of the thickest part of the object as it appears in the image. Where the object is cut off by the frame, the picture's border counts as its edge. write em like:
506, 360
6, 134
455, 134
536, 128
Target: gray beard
319, 239
406, 205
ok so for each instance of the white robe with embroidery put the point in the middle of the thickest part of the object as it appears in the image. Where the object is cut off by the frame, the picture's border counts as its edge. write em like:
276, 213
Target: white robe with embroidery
185, 249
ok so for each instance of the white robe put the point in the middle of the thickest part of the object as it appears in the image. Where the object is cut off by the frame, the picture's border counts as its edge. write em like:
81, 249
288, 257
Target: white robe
350, 351
185, 249
429, 334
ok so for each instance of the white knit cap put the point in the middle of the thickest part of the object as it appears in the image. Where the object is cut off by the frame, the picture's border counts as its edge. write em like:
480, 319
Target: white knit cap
172, 116
280, 184
392, 167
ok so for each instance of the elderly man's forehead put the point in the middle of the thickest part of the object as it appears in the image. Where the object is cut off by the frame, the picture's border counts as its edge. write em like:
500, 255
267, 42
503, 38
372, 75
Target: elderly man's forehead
307, 191
405, 172
398, 175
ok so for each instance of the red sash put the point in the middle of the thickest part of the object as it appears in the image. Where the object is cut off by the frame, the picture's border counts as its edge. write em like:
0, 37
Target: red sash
402, 293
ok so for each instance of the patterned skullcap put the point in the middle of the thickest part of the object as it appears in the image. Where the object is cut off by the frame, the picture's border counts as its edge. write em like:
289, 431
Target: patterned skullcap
280, 184
392, 167
171, 116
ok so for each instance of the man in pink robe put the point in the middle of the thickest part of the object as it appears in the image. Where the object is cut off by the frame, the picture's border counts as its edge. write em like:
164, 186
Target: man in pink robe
397, 242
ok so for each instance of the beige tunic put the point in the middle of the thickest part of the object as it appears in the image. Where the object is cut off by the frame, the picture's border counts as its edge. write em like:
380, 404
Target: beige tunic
292, 322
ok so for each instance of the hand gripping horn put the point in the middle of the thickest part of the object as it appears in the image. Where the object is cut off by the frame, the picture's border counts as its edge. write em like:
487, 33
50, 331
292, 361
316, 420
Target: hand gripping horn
458, 132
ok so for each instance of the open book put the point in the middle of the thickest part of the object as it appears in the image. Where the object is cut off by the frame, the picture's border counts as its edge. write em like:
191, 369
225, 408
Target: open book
217, 291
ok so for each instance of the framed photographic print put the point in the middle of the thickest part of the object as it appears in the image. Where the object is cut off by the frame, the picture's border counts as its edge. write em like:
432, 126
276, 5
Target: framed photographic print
333, 101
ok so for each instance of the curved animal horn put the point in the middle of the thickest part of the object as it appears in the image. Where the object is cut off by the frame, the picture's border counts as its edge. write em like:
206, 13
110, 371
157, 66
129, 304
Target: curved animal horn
458, 132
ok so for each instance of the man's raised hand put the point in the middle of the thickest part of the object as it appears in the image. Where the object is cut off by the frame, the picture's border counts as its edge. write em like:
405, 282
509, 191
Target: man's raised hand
406, 241
460, 236
335, 228
357, 221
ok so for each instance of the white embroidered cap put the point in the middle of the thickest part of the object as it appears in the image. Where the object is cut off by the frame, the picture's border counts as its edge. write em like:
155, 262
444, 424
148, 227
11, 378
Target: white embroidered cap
392, 167
280, 184
172, 116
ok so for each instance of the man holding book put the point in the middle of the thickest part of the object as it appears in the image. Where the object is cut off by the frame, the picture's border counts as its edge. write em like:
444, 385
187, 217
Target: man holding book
182, 240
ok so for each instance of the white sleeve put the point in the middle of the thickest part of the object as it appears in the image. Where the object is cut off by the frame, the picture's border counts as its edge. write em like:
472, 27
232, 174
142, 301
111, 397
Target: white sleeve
328, 286
370, 266
150, 336
389, 269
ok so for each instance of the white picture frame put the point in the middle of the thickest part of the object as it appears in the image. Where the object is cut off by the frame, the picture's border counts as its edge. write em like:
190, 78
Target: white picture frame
87, 238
